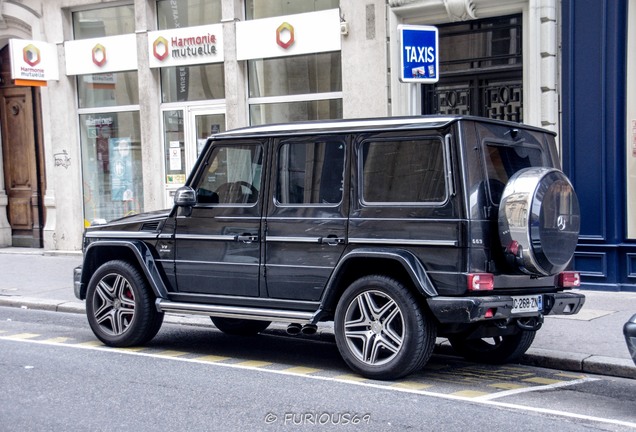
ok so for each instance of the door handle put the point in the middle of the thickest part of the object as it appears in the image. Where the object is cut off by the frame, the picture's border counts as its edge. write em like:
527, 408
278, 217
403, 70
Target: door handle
332, 240
246, 238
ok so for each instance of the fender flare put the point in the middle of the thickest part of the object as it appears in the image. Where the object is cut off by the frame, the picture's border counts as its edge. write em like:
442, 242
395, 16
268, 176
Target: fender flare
411, 264
142, 253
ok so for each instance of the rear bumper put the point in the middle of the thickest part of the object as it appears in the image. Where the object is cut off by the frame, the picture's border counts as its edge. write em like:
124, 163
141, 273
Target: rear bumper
465, 310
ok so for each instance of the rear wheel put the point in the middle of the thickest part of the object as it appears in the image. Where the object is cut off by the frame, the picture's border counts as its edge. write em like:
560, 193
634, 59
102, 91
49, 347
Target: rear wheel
381, 330
240, 327
494, 350
120, 306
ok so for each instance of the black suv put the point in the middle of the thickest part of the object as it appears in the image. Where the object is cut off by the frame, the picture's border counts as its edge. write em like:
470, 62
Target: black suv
398, 230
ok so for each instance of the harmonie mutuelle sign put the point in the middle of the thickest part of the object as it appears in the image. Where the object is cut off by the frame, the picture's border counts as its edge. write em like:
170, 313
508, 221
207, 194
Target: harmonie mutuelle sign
419, 59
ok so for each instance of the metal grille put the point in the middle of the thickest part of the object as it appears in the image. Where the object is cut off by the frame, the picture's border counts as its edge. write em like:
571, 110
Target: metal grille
481, 70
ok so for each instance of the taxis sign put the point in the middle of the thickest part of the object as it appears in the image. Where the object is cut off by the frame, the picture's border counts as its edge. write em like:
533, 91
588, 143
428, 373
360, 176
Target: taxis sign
419, 62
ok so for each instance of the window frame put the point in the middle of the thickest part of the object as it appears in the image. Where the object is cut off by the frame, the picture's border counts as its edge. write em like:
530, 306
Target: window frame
308, 140
446, 162
203, 170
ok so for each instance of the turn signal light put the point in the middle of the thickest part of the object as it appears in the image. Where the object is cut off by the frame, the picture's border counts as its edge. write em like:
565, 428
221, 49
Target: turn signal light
569, 279
480, 281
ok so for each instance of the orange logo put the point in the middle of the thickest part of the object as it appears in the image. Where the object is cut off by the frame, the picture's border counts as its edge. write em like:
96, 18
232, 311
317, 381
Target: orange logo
160, 48
31, 55
99, 55
285, 35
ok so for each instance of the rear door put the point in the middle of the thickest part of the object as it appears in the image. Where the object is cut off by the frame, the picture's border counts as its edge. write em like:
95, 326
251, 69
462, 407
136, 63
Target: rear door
307, 215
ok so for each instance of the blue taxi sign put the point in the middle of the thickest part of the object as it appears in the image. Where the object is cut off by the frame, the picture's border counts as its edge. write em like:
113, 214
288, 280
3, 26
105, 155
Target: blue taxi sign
419, 61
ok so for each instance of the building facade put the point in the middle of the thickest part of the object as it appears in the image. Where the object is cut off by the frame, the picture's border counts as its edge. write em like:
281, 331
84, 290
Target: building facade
141, 83
599, 136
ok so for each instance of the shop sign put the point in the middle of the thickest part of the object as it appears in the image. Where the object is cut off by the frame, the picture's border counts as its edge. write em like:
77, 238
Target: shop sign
33, 60
288, 35
418, 54
101, 55
186, 46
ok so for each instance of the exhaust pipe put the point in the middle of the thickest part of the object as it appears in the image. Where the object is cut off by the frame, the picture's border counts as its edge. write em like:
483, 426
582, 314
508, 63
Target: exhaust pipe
294, 329
309, 329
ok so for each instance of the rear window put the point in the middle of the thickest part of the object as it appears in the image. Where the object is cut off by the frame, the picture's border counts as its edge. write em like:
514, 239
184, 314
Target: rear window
503, 160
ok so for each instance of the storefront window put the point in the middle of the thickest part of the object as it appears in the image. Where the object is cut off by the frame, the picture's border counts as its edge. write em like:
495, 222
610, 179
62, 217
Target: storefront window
173, 136
173, 14
109, 89
313, 73
111, 165
295, 111
192, 83
299, 88
111, 21
255, 9
110, 137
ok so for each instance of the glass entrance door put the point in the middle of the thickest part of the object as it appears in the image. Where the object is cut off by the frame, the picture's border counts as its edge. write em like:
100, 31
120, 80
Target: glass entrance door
185, 131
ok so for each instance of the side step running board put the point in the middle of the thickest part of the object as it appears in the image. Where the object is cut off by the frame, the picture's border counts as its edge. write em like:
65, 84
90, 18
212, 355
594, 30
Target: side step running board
233, 311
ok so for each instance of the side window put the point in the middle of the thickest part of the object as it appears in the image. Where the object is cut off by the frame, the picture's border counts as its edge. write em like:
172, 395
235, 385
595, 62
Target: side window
233, 175
310, 173
403, 171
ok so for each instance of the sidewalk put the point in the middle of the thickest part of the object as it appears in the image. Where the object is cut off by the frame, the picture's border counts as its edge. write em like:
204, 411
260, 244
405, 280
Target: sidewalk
590, 342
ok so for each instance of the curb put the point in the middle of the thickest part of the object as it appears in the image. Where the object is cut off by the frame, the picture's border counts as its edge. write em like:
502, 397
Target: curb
550, 359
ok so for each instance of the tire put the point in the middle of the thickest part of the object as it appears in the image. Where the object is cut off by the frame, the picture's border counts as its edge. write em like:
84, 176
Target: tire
120, 306
496, 350
240, 327
381, 330
539, 221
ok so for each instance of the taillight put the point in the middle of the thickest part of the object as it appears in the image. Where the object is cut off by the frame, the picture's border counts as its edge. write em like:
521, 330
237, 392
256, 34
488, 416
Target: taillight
480, 281
569, 279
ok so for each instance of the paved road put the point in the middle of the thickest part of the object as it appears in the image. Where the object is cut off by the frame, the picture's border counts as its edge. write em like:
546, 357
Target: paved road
56, 376
591, 341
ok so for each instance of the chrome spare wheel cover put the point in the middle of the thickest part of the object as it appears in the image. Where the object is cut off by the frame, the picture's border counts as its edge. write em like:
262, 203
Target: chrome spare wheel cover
114, 304
374, 328
539, 221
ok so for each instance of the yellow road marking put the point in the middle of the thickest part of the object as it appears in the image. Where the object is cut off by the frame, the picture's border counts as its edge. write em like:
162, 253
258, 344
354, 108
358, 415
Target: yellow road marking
506, 386
57, 340
569, 375
301, 370
539, 380
132, 349
91, 344
170, 353
348, 377
412, 385
23, 336
254, 363
469, 393
212, 358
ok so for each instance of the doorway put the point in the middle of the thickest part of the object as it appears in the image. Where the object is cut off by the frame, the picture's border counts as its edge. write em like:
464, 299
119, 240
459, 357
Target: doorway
481, 69
185, 132
22, 156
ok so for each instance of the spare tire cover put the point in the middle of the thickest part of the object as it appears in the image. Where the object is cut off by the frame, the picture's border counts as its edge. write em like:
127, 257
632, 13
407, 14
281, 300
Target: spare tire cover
539, 221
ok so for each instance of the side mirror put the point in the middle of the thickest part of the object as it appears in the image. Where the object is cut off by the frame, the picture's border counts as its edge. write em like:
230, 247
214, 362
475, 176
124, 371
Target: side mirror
185, 196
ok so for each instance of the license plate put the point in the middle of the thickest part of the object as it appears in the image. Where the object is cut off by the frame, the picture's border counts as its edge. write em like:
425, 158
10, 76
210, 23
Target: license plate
522, 304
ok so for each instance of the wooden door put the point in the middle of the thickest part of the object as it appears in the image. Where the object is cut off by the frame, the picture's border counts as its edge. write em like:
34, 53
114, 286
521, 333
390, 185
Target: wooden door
21, 165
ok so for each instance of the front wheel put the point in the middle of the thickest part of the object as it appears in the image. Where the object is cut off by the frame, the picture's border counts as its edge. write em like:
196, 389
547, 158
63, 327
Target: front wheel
120, 306
381, 330
495, 350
